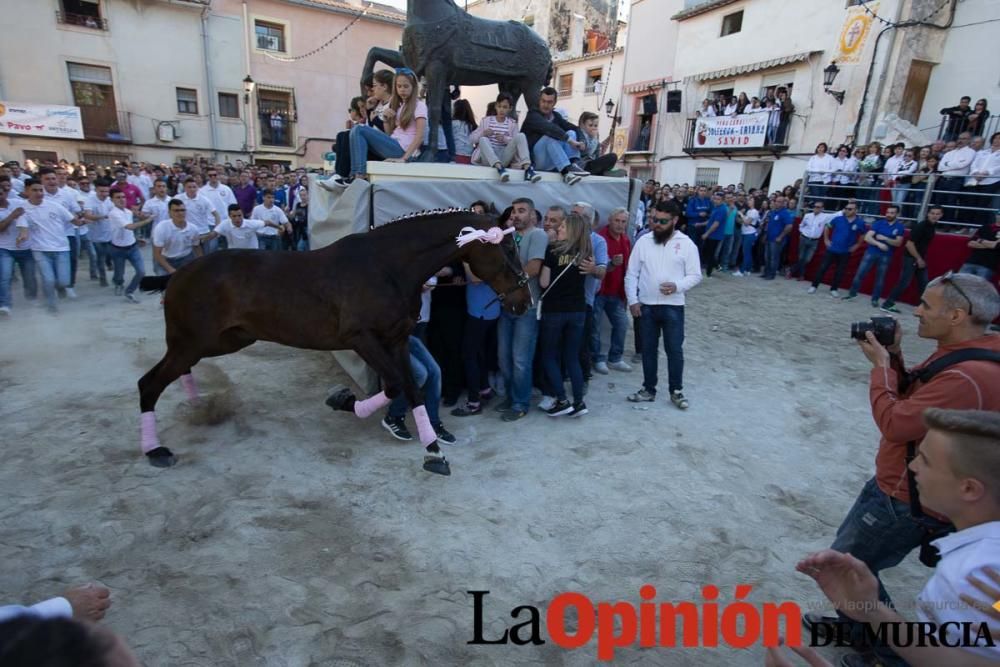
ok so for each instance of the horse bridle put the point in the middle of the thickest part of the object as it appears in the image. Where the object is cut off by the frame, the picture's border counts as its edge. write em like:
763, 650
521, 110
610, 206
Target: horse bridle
522, 278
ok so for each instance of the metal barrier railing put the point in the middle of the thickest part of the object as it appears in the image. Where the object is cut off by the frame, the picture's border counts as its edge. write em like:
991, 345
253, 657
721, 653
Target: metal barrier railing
950, 128
964, 207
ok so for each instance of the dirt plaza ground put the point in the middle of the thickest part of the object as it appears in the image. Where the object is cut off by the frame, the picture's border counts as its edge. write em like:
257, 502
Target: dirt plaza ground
288, 535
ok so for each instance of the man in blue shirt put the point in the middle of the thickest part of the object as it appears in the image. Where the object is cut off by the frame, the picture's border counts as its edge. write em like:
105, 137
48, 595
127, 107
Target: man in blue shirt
697, 212
884, 236
779, 226
280, 195
714, 234
842, 236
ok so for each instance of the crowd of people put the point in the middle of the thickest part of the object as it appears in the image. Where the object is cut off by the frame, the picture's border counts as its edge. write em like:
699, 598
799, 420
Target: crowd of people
53, 215
963, 175
390, 123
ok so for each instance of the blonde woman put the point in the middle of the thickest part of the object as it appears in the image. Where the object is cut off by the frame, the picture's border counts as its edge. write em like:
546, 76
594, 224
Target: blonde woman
564, 311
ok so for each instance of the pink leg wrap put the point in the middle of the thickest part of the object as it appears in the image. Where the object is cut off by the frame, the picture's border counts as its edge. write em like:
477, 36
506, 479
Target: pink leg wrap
424, 428
190, 386
149, 439
370, 405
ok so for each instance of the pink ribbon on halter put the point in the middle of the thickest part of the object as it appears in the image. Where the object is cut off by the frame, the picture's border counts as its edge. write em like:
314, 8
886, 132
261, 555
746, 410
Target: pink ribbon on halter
493, 235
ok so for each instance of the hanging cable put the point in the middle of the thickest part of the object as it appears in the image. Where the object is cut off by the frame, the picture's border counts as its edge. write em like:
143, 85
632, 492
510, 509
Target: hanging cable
292, 59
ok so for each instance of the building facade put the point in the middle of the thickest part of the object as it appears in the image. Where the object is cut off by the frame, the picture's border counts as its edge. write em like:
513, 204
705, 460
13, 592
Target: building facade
894, 79
163, 80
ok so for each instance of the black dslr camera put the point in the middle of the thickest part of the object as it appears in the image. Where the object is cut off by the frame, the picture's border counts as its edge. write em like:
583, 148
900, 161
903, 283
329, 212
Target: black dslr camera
884, 329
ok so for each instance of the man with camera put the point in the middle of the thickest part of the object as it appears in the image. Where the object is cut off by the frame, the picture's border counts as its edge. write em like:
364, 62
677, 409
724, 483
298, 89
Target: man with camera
887, 522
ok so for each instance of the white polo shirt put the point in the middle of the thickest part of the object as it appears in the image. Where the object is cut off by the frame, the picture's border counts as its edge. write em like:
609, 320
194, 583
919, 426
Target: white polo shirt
100, 231
120, 236
812, 225
244, 236
157, 208
199, 212
175, 241
273, 214
221, 197
963, 553
8, 237
46, 225
65, 198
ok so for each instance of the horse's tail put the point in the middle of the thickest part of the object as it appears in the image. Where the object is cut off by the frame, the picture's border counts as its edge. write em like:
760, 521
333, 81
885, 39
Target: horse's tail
154, 283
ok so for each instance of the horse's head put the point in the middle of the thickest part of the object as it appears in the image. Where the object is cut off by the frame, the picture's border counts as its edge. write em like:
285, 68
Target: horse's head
493, 258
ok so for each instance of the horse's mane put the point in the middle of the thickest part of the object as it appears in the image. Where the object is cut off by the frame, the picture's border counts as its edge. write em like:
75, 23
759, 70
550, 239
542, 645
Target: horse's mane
432, 213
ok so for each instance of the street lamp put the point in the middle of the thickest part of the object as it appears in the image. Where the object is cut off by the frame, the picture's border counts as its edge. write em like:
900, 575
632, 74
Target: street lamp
829, 74
609, 107
248, 85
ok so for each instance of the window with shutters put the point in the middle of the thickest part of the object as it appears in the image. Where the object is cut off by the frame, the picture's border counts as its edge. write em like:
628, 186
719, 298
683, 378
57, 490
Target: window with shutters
187, 101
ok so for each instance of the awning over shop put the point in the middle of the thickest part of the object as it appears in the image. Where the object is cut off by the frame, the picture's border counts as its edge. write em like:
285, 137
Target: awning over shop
751, 67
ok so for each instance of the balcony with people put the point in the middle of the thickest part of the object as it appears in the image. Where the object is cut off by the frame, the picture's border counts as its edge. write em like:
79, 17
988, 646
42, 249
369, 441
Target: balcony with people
726, 124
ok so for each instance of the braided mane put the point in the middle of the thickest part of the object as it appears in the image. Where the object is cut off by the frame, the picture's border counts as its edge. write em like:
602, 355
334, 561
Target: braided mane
429, 213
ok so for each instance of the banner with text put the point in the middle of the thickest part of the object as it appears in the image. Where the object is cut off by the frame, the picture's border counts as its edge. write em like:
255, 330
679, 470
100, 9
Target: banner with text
41, 120
731, 131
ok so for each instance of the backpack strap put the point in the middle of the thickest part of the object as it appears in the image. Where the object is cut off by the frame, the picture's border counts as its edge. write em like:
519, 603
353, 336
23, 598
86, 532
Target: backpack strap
924, 375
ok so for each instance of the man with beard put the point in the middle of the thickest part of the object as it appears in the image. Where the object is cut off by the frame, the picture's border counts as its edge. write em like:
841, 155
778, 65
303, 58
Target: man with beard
662, 267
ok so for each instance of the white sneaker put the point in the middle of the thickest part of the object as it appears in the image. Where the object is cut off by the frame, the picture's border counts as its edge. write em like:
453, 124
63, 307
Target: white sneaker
5, 311
546, 403
620, 366
333, 184
738, 274
835, 294
70, 292
601, 367
570, 178
811, 290
131, 297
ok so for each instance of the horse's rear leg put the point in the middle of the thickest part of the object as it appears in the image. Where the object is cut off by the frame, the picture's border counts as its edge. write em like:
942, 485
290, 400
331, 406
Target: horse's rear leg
151, 385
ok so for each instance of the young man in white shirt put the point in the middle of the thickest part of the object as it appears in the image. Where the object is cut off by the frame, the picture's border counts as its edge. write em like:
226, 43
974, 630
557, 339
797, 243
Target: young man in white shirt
983, 183
268, 212
156, 204
954, 168
10, 212
125, 247
810, 231
140, 179
220, 194
96, 210
243, 233
175, 242
200, 213
66, 198
957, 471
42, 229
664, 264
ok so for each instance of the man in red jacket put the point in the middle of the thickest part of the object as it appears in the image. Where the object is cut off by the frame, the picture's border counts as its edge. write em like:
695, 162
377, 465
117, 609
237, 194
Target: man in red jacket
881, 529
611, 296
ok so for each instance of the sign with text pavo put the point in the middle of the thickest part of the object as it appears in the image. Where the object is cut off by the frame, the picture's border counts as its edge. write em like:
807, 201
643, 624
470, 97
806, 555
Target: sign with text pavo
41, 120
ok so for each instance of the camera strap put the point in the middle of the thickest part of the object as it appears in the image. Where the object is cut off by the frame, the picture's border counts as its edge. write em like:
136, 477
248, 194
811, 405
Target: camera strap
924, 375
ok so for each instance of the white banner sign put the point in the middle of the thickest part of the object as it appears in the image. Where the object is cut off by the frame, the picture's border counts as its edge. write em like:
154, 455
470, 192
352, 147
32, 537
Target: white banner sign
731, 131
41, 120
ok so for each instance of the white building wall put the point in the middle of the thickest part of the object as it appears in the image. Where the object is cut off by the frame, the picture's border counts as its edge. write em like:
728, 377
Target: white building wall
612, 67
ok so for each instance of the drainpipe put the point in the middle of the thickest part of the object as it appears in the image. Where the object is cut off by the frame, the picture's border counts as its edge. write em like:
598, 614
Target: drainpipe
208, 84
248, 108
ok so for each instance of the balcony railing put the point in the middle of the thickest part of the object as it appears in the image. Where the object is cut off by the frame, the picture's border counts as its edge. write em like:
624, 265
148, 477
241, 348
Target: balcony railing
775, 137
106, 124
276, 131
950, 128
82, 20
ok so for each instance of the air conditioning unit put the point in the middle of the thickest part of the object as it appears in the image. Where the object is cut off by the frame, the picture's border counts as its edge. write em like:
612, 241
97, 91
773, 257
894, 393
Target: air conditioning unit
268, 42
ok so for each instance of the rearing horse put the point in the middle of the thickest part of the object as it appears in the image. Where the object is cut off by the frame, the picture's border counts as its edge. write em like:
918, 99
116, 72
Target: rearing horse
449, 46
361, 293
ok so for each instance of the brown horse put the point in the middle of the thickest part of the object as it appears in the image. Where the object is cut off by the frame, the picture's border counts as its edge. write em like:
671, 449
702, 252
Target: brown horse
362, 293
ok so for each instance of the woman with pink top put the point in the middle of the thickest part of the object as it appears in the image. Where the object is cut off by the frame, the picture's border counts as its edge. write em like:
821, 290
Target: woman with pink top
499, 135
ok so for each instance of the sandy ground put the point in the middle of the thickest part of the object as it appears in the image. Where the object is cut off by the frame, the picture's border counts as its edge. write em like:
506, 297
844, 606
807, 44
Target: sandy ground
290, 535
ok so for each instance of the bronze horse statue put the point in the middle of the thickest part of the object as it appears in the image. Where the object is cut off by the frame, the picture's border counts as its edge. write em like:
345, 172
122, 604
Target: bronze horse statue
361, 293
448, 46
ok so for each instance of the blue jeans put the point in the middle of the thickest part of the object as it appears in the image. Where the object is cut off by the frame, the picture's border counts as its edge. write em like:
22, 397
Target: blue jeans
772, 258
725, 251
516, 339
53, 267
909, 270
176, 262
614, 308
562, 336
881, 264
748, 241
210, 246
74, 258
880, 532
364, 138
88, 247
102, 252
427, 375
670, 321
133, 255
24, 260
977, 270
553, 155
807, 248
269, 242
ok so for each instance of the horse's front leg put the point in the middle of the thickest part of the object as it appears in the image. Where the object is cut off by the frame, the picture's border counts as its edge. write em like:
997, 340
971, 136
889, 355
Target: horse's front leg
375, 355
405, 357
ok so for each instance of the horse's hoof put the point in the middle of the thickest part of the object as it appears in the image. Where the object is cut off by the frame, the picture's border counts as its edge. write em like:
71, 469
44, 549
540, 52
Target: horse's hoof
161, 457
341, 398
437, 465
